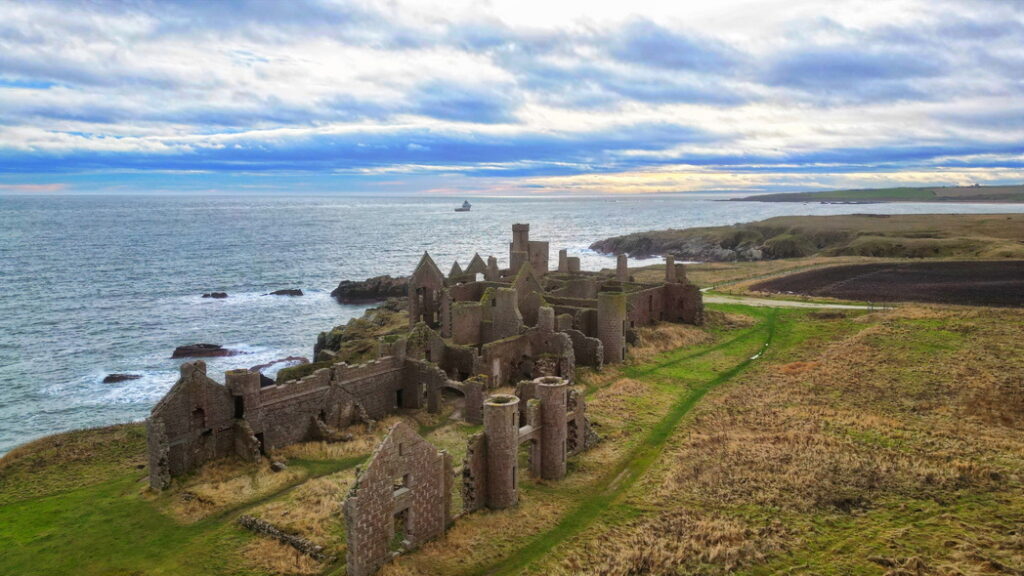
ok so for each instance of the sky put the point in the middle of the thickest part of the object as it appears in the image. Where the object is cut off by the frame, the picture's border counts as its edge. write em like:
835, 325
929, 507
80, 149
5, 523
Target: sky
508, 97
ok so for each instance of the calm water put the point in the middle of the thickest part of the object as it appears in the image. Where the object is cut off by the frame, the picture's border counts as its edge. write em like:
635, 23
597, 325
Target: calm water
92, 285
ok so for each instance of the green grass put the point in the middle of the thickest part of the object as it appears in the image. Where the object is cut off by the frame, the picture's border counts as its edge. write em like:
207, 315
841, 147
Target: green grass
995, 236
90, 514
904, 194
111, 526
670, 371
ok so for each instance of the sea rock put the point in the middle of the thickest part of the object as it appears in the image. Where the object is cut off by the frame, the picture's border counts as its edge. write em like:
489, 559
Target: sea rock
290, 361
287, 292
202, 351
215, 295
371, 290
115, 378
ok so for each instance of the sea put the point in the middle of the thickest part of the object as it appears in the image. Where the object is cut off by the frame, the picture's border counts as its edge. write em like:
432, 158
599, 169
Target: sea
93, 285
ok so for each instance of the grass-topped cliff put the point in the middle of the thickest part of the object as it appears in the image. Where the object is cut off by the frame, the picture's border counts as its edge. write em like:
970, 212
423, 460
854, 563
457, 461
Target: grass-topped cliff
769, 441
999, 194
892, 236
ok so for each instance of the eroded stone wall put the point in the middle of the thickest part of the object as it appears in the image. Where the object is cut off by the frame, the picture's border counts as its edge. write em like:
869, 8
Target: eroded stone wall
406, 484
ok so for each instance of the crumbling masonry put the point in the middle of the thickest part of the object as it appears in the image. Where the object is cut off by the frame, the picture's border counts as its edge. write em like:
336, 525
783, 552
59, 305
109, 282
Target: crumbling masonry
476, 329
402, 498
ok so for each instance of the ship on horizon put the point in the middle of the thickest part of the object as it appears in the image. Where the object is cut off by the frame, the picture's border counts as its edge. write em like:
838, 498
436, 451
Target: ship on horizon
465, 206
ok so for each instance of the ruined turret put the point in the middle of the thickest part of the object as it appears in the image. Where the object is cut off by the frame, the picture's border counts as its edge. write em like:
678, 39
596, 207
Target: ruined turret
611, 318
501, 434
552, 393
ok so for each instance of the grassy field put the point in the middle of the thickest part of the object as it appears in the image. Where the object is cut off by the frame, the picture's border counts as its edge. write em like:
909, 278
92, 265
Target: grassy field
993, 236
1014, 194
814, 442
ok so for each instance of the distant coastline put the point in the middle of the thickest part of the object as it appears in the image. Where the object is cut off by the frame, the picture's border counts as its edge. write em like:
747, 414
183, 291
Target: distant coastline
1013, 194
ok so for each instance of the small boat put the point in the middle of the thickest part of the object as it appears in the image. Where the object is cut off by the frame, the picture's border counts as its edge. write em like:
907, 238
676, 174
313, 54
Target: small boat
465, 207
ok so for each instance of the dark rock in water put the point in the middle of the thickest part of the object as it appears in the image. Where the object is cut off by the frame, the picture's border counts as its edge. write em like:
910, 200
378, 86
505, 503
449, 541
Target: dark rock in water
370, 290
287, 292
202, 351
115, 378
290, 360
215, 295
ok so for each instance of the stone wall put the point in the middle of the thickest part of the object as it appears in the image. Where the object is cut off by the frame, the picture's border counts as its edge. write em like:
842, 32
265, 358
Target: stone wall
193, 424
201, 420
587, 351
407, 482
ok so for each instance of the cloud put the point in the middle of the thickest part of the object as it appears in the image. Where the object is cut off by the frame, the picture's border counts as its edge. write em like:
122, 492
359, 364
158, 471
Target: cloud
33, 188
645, 43
504, 91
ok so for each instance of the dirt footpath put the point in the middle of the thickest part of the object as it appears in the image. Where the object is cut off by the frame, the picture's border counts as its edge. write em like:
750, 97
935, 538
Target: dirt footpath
969, 283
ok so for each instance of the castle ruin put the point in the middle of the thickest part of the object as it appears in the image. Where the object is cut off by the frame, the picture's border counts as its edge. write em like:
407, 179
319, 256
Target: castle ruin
402, 498
477, 329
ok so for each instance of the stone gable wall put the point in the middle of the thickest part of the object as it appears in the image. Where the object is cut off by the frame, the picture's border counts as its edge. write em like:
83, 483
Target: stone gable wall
405, 476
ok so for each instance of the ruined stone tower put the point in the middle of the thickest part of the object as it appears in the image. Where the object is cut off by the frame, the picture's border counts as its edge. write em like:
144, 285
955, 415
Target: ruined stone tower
622, 268
519, 249
501, 433
553, 395
611, 318
670, 269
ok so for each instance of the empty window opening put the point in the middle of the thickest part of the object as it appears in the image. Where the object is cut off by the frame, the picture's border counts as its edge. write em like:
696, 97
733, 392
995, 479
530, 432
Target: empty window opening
263, 443
400, 539
239, 407
198, 418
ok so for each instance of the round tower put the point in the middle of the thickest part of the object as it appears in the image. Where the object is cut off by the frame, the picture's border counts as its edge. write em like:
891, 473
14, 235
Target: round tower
501, 429
611, 318
553, 393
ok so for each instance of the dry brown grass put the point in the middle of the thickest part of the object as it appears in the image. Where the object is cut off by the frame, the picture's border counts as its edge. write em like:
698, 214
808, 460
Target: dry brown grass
658, 339
870, 416
482, 537
918, 407
673, 542
222, 484
312, 510
271, 556
363, 442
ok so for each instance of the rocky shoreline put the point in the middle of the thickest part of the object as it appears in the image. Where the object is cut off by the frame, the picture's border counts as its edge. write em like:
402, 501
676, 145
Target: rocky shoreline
376, 289
694, 249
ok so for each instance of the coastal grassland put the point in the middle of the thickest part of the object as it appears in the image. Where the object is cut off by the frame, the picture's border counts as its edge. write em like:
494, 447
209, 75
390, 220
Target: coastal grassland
92, 513
77, 503
882, 443
995, 236
634, 410
767, 441
902, 194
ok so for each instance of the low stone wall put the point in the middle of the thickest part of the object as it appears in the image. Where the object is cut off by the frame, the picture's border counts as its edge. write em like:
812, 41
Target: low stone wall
297, 542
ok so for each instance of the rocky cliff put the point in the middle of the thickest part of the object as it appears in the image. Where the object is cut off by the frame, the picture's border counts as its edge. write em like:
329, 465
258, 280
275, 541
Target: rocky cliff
371, 290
